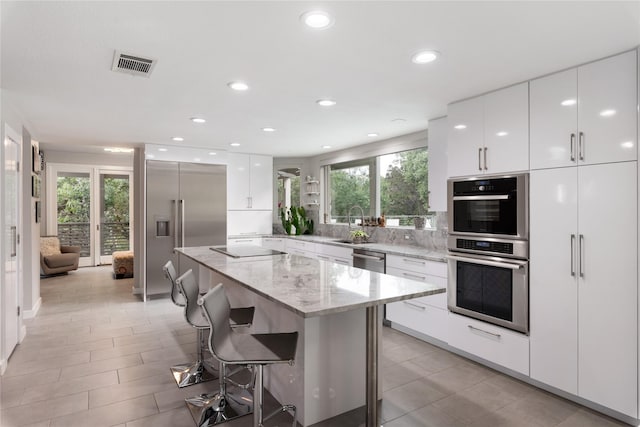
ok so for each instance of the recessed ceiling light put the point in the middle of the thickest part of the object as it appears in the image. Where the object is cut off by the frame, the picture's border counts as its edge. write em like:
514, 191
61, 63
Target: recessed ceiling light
119, 150
162, 149
502, 133
316, 19
177, 139
198, 120
372, 134
398, 120
235, 144
211, 153
239, 86
150, 156
424, 57
326, 147
326, 102
627, 144
608, 113
268, 129
568, 102
460, 127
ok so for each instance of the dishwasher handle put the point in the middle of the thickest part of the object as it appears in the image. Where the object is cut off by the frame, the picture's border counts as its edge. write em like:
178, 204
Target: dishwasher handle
375, 258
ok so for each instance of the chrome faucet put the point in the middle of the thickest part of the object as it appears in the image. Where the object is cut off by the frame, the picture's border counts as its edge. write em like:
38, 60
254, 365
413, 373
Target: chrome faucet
361, 216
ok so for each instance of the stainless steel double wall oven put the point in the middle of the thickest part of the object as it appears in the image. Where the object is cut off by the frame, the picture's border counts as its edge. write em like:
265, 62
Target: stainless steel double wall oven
488, 244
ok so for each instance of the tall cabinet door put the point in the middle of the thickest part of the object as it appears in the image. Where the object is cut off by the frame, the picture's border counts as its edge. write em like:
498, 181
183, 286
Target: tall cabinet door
506, 130
553, 272
608, 296
607, 109
554, 120
238, 184
466, 137
261, 192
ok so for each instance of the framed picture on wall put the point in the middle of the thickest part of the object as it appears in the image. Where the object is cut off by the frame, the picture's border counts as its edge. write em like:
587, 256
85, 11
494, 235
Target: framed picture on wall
37, 210
35, 159
35, 186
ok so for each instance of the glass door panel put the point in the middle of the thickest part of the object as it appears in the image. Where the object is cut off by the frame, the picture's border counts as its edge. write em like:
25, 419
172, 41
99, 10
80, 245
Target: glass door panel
73, 201
114, 226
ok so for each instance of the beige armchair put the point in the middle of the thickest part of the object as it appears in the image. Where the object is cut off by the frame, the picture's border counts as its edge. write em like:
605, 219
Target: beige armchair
56, 258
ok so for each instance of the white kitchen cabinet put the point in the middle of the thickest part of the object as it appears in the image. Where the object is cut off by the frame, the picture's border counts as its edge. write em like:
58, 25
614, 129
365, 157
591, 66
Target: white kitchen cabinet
333, 253
583, 283
248, 223
489, 134
438, 164
275, 243
240, 241
301, 247
249, 182
490, 342
427, 315
585, 115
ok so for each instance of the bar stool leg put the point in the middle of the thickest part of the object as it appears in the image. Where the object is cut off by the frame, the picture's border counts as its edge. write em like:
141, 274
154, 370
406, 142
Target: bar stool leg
195, 373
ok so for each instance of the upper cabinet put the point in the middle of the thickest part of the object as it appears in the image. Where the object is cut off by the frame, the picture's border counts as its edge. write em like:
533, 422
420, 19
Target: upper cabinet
585, 115
250, 182
490, 134
438, 164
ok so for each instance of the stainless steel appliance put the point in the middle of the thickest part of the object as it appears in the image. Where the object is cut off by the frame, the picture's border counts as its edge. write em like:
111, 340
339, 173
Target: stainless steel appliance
488, 246
492, 206
186, 205
369, 260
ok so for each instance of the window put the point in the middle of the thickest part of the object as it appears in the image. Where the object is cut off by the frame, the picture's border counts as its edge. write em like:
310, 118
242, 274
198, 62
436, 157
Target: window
395, 185
288, 187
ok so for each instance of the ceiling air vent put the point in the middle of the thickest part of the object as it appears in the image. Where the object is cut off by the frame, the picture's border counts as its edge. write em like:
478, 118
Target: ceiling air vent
132, 64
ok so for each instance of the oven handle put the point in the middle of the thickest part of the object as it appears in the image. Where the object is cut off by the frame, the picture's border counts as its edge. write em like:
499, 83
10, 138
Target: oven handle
375, 258
495, 197
515, 265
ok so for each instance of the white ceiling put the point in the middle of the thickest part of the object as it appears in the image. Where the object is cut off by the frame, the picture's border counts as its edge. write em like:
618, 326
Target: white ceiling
57, 57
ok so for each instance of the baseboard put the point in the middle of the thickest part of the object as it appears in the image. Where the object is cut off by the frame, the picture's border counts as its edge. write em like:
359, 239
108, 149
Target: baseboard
136, 291
30, 314
3, 366
23, 333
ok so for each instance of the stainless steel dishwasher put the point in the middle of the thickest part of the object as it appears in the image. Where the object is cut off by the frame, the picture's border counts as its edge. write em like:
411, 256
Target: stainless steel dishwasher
372, 261
369, 260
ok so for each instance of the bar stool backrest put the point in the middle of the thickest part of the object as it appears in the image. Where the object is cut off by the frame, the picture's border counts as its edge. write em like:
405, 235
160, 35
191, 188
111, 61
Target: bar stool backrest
216, 309
190, 289
170, 273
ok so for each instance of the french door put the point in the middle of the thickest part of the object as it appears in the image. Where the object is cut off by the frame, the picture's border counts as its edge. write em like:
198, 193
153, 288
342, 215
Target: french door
90, 208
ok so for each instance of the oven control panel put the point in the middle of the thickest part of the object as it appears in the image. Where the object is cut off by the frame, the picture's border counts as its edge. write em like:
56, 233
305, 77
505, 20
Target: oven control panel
489, 246
485, 246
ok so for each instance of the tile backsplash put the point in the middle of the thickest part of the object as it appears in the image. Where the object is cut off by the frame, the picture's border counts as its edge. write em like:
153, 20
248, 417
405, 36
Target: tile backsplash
431, 239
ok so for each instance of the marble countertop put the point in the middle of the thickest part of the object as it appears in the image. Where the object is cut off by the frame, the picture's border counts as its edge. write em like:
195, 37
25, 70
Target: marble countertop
311, 287
400, 250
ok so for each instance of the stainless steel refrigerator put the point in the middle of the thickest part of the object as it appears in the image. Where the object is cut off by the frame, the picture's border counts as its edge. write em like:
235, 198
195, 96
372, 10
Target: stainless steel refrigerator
186, 205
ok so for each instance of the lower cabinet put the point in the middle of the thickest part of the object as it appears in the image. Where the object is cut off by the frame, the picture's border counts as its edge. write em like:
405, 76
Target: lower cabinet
275, 243
493, 343
333, 253
234, 241
302, 248
426, 315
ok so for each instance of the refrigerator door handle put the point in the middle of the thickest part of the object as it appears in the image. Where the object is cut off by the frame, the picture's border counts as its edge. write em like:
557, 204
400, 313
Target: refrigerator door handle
182, 222
175, 223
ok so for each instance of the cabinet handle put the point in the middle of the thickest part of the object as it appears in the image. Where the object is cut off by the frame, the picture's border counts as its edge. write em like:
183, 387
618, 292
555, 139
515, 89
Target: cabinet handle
480, 158
473, 328
414, 276
421, 307
581, 254
339, 261
249, 202
580, 145
242, 240
485, 158
573, 242
326, 258
572, 144
414, 261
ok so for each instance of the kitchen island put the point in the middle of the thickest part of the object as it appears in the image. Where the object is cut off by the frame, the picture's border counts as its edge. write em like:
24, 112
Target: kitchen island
334, 309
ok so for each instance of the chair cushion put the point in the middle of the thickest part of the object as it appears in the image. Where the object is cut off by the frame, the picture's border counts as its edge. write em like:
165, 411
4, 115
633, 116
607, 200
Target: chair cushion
49, 246
60, 260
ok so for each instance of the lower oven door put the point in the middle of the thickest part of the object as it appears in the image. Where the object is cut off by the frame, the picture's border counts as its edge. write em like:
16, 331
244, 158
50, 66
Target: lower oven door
492, 289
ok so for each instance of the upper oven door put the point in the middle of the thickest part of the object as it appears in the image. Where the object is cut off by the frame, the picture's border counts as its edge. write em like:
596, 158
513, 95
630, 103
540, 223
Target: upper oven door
489, 206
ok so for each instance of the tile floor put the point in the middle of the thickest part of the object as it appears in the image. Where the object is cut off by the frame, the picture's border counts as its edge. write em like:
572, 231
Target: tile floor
97, 356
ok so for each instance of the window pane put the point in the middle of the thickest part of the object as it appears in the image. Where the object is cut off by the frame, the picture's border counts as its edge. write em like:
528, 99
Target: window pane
73, 194
349, 186
114, 207
404, 185
288, 187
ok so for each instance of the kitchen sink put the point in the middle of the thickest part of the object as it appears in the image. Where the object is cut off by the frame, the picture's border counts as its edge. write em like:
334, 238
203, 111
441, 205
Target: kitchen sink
350, 242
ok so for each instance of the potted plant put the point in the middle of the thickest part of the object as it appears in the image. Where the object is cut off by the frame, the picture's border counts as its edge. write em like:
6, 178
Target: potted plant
358, 236
294, 221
